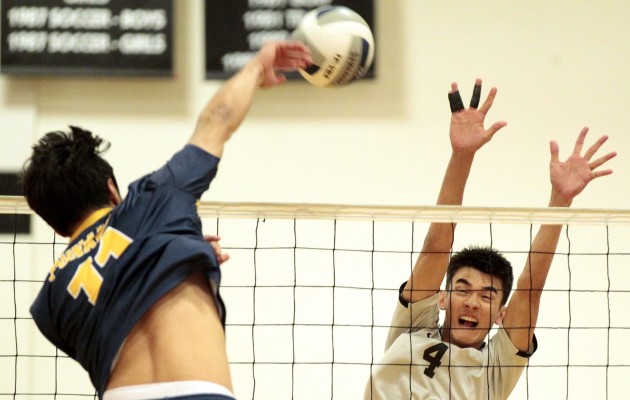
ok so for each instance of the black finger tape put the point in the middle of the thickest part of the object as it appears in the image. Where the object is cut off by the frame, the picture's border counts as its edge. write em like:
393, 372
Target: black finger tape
455, 100
474, 101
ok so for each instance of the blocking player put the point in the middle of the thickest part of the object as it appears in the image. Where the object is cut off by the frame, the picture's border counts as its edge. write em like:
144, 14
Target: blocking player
424, 360
135, 296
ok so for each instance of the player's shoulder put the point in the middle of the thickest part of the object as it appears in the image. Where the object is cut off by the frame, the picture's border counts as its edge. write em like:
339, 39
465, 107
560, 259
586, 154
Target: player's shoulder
415, 340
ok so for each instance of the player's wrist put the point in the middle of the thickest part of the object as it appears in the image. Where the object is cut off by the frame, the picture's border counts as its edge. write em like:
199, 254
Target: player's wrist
256, 67
462, 158
558, 200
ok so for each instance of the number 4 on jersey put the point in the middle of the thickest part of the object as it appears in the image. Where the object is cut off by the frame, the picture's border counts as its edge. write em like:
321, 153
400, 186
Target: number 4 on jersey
434, 356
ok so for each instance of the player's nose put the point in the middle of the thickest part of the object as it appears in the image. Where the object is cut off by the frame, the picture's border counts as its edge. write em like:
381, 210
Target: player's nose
472, 302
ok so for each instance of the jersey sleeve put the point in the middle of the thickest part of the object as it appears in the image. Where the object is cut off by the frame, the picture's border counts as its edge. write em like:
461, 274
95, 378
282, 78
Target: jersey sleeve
411, 317
509, 362
41, 316
190, 169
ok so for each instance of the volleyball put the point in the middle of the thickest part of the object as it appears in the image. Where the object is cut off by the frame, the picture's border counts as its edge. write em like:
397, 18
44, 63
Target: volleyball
341, 43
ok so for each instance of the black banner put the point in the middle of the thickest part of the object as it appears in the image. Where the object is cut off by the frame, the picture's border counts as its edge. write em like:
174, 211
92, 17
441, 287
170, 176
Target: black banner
87, 37
13, 223
236, 29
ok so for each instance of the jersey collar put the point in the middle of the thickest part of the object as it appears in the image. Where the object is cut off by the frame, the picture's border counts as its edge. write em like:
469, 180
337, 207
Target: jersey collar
90, 220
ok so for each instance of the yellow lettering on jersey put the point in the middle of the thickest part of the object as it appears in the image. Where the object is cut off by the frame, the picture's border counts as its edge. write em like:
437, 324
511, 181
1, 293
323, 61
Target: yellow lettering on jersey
77, 249
81, 248
70, 256
113, 244
63, 260
88, 279
99, 232
51, 273
89, 243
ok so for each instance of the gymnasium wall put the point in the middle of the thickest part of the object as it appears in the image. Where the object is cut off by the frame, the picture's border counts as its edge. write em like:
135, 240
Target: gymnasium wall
558, 66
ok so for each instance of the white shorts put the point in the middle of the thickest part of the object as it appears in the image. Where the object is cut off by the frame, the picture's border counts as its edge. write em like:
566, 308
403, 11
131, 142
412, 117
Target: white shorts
166, 389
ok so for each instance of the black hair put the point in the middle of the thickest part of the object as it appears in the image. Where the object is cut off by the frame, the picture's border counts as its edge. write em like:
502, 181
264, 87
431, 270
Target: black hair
486, 260
66, 178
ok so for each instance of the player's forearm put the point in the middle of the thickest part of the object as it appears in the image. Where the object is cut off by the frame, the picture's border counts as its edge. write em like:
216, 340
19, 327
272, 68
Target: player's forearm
455, 178
440, 235
543, 249
522, 312
541, 256
432, 262
227, 109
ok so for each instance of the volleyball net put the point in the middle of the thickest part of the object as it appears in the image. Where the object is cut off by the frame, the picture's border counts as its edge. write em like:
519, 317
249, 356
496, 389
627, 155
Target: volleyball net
310, 291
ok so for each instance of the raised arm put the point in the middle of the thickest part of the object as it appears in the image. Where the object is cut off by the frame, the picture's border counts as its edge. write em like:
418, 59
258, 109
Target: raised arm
568, 179
225, 112
467, 135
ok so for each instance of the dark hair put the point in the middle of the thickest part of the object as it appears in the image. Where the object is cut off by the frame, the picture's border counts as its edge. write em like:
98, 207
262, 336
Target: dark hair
486, 260
65, 178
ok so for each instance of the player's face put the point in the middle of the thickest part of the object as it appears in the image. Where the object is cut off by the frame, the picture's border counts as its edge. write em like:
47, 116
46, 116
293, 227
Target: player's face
472, 306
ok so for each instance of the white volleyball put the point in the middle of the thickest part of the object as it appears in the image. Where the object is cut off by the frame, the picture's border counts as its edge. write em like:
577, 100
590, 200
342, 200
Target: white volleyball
341, 43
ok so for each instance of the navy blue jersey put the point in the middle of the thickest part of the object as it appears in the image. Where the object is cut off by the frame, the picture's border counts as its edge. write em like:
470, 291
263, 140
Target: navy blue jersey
122, 261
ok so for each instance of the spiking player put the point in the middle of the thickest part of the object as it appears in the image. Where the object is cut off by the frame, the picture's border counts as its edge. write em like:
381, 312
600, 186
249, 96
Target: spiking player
135, 297
424, 360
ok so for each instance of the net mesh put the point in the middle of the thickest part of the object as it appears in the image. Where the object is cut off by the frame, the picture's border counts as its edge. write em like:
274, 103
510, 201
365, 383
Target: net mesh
310, 291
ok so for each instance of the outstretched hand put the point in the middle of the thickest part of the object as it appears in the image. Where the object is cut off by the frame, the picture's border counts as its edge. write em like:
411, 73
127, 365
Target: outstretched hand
467, 132
279, 57
570, 177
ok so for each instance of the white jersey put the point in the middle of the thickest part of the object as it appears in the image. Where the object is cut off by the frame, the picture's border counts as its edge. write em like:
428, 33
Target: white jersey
418, 365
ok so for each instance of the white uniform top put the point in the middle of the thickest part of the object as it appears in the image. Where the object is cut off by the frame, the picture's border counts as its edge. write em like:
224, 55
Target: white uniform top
418, 365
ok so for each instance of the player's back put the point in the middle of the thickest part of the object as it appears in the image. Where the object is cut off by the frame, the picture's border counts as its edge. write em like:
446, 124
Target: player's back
132, 292
180, 339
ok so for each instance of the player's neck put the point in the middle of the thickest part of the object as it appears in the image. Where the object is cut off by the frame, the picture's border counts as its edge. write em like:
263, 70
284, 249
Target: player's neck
90, 218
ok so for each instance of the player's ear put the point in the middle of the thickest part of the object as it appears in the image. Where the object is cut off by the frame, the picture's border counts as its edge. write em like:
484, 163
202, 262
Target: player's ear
114, 195
499, 319
442, 300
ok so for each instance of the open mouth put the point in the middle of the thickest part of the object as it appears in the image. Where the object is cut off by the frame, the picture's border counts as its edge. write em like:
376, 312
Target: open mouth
469, 322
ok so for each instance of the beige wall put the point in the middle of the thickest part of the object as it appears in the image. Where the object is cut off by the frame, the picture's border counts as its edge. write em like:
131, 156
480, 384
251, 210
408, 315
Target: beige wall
558, 65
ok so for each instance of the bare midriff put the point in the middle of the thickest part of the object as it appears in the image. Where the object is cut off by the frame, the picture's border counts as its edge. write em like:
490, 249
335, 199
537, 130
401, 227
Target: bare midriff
181, 338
